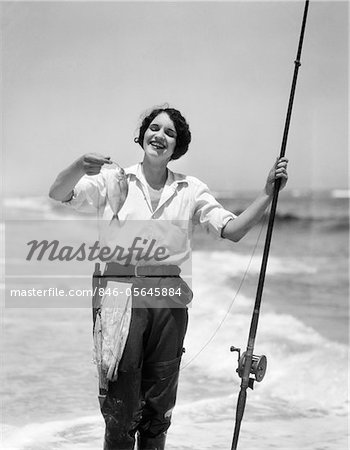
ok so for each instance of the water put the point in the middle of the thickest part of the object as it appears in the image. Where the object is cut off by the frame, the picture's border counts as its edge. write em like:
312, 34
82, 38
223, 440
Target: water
49, 386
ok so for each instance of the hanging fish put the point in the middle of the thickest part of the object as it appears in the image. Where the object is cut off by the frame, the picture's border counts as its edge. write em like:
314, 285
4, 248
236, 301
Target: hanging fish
117, 189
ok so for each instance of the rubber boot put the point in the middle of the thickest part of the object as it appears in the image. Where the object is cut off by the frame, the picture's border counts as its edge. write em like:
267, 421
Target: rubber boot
148, 443
121, 410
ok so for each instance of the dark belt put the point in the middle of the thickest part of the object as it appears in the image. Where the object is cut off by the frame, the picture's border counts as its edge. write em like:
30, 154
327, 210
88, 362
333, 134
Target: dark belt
119, 271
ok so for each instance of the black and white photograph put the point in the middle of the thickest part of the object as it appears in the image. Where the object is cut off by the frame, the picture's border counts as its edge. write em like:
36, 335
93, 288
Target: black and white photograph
175, 225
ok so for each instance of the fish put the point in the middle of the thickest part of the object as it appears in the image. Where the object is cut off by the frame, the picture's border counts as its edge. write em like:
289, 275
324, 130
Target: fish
117, 189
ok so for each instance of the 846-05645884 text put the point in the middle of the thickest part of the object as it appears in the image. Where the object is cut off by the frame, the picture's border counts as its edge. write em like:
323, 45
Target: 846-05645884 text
107, 291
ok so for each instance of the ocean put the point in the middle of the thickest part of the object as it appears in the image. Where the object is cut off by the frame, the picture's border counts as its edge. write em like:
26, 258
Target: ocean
49, 383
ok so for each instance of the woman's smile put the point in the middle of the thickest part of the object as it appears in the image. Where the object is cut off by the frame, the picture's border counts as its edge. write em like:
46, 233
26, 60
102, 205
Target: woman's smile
160, 137
157, 145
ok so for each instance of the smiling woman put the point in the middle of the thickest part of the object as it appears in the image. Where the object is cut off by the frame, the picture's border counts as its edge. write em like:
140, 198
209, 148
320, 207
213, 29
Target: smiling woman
160, 138
138, 342
175, 127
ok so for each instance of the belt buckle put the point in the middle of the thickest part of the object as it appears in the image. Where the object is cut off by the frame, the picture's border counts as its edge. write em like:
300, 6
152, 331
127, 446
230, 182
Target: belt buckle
137, 275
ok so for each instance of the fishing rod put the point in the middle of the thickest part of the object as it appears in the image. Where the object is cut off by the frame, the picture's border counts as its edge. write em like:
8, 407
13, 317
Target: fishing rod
248, 363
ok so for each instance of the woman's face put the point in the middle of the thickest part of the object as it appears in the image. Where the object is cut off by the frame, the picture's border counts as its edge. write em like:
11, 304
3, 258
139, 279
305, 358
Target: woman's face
160, 138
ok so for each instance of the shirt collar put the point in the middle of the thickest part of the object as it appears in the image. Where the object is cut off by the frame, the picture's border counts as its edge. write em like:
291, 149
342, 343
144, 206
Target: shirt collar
173, 179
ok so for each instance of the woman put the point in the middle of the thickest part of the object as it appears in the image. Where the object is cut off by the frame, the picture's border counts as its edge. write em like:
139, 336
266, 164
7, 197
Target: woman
140, 395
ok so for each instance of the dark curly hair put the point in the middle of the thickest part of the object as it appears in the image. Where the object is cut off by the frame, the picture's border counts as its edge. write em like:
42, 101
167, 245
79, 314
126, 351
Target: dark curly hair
183, 137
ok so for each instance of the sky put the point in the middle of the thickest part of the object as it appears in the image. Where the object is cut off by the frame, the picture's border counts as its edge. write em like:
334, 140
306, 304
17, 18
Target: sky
77, 77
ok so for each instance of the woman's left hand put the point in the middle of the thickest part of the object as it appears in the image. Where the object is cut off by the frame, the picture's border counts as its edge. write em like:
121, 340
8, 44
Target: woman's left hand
278, 171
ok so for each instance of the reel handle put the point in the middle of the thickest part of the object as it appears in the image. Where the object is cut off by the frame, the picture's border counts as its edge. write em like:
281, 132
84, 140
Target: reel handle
258, 368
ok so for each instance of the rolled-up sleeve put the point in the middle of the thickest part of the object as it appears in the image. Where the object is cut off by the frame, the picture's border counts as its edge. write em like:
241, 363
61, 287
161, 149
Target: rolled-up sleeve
89, 194
208, 212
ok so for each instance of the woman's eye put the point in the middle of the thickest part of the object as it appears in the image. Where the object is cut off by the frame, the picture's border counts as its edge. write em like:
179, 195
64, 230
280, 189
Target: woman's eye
154, 127
171, 133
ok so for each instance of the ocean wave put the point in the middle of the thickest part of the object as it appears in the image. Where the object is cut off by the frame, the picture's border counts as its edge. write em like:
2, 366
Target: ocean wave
79, 433
340, 193
341, 221
40, 203
298, 380
191, 431
304, 387
332, 209
226, 265
40, 207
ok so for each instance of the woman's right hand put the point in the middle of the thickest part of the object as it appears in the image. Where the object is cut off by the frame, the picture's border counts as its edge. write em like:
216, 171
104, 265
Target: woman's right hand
91, 163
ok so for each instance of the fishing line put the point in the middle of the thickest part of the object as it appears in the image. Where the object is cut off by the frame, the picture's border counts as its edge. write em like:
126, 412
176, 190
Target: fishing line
264, 220
248, 363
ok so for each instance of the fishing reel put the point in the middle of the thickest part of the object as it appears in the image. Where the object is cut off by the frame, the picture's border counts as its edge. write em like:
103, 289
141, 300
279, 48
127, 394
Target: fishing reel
258, 367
